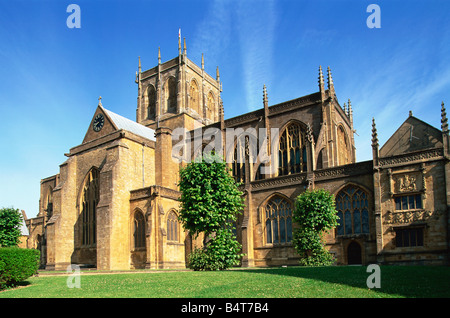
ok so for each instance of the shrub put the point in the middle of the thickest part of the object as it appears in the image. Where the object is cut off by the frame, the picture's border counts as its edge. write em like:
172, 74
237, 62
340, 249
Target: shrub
198, 260
17, 264
221, 252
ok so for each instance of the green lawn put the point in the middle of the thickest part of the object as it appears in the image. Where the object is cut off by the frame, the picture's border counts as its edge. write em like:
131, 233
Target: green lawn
297, 282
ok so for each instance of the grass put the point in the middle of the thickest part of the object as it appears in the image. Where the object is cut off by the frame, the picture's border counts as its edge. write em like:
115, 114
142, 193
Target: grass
291, 282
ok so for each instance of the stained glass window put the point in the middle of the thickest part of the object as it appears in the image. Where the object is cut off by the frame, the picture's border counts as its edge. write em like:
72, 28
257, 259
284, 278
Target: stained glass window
278, 221
353, 211
292, 156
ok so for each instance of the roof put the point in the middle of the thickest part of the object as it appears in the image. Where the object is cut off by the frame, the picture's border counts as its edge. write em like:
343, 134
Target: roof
126, 124
413, 135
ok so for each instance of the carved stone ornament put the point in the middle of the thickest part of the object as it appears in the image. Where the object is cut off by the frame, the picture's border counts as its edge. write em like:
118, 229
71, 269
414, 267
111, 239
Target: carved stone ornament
407, 183
406, 217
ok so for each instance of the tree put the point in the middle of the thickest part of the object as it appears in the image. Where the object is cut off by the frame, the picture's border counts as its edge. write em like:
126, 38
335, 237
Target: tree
210, 204
10, 224
315, 214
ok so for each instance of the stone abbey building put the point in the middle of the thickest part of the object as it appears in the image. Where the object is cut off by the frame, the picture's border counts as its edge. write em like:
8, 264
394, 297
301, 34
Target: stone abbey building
114, 202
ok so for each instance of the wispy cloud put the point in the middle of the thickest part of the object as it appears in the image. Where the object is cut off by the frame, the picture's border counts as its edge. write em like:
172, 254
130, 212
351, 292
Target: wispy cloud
408, 80
213, 33
256, 21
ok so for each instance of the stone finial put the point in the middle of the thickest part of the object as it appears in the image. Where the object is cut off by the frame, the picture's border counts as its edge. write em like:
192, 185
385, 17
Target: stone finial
184, 48
345, 109
217, 74
321, 84
444, 121
159, 55
203, 62
221, 115
179, 41
350, 110
374, 134
100, 101
330, 79
139, 67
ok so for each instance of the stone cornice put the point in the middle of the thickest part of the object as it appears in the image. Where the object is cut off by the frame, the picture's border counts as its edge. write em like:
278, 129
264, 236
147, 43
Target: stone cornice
289, 180
415, 157
364, 167
152, 191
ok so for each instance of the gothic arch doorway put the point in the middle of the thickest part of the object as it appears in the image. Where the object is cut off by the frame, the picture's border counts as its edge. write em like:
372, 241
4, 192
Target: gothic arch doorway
354, 253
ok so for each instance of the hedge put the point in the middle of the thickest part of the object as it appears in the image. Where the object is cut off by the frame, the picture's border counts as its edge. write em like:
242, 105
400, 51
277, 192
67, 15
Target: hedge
17, 264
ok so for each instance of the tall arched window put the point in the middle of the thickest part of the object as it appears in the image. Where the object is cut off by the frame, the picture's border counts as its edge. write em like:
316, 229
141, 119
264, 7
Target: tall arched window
139, 230
193, 97
292, 157
151, 108
171, 95
352, 205
172, 227
343, 147
89, 201
278, 221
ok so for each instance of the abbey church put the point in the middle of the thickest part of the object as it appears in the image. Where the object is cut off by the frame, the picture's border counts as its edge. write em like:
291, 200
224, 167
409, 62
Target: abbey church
114, 203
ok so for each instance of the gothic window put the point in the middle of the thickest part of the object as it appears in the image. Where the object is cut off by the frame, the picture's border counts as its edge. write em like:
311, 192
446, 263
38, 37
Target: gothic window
151, 108
89, 203
343, 147
352, 205
171, 95
172, 227
210, 106
193, 97
292, 157
139, 230
278, 221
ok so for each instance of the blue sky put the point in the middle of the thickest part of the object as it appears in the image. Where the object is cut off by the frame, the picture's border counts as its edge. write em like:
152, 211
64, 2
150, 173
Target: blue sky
52, 76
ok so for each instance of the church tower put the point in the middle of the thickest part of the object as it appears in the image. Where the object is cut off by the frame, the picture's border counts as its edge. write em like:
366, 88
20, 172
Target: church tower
177, 93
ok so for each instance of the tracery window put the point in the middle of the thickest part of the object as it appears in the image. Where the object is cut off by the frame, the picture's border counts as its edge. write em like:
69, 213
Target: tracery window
352, 205
278, 221
172, 227
89, 203
139, 230
292, 157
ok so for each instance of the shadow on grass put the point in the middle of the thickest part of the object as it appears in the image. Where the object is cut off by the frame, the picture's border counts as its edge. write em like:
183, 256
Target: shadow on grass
22, 284
398, 281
